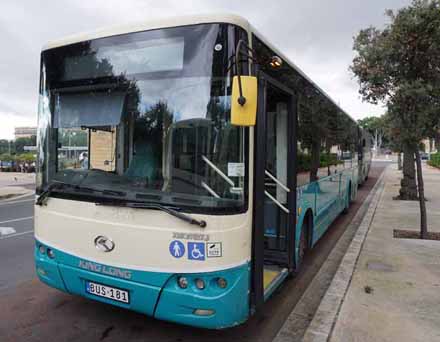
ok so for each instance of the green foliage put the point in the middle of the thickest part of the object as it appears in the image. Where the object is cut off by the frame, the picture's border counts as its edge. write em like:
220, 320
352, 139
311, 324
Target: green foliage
16, 146
23, 157
304, 161
6, 157
20, 143
4, 146
400, 66
435, 160
377, 126
372, 123
26, 157
72, 137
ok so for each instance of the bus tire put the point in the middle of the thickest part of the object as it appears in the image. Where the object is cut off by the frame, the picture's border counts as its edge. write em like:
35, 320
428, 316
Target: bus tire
348, 200
304, 237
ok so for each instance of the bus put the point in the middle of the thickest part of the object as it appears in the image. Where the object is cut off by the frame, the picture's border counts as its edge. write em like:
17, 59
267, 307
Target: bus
210, 165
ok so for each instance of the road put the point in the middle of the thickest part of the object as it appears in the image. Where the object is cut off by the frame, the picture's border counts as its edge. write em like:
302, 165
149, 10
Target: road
16, 247
31, 311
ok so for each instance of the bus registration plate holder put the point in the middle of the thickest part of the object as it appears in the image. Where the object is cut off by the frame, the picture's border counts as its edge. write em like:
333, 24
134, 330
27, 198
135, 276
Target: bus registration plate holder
107, 292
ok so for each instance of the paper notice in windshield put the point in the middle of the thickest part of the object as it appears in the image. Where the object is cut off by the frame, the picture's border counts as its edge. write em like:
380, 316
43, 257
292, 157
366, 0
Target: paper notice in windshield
236, 169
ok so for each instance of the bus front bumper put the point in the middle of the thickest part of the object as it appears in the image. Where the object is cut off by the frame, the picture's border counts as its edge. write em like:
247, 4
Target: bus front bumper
157, 294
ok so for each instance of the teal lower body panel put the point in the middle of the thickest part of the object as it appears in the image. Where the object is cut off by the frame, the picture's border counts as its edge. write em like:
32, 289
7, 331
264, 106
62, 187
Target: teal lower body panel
229, 306
153, 293
142, 297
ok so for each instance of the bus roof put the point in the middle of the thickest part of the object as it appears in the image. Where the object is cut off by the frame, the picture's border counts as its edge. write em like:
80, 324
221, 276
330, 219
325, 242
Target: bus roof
293, 65
182, 21
150, 25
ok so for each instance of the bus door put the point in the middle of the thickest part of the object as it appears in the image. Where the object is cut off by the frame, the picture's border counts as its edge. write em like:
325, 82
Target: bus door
275, 187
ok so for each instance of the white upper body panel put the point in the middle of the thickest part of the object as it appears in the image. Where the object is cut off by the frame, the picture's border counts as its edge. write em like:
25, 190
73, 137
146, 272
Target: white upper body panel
175, 22
150, 25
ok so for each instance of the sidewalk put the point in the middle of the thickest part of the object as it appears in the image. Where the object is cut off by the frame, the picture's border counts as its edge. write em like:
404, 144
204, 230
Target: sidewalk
394, 292
14, 184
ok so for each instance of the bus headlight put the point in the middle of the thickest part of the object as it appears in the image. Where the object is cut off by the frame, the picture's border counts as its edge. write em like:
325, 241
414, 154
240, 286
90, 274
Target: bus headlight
200, 284
182, 282
41, 249
222, 283
50, 253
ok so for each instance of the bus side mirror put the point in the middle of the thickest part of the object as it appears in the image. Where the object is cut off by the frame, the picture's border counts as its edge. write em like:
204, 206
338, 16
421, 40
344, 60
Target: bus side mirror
244, 114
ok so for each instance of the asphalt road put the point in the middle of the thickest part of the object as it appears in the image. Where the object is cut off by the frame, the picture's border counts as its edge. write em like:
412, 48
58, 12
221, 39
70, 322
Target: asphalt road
31, 311
16, 247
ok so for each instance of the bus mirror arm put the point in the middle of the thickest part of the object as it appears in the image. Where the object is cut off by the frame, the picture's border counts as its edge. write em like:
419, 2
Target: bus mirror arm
241, 99
249, 55
244, 90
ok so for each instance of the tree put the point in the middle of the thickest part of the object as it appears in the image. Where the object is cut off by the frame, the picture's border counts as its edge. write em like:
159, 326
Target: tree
394, 143
400, 66
20, 143
376, 126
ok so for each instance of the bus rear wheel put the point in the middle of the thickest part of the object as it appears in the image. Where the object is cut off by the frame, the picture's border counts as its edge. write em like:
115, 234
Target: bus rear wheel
303, 240
348, 201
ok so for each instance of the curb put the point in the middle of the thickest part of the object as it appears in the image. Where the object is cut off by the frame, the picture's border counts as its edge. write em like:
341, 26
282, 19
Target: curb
14, 198
321, 327
300, 318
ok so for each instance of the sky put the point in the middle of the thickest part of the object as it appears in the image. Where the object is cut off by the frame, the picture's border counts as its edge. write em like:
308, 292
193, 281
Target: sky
317, 35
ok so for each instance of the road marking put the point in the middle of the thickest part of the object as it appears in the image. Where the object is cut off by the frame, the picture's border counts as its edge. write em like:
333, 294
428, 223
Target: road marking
19, 219
14, 235
16, 202
7, 231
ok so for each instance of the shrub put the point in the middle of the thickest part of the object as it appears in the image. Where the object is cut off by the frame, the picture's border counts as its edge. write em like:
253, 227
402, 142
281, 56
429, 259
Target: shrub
435, 160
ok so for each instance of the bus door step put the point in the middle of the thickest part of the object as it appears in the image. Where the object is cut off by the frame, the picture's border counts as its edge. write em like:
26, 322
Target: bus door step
273, 276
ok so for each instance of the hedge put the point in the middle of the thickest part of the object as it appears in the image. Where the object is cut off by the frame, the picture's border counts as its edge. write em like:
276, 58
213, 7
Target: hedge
434, 160
304, 161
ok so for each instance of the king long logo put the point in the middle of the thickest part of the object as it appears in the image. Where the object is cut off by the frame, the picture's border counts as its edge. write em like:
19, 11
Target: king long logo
104, 244
113, 271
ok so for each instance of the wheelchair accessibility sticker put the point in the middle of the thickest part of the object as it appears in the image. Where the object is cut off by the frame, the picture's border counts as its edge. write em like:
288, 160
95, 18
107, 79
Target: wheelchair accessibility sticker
177, 249
196, 251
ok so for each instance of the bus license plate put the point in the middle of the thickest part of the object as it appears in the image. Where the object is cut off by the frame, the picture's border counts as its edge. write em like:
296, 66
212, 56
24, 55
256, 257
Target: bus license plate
107, 292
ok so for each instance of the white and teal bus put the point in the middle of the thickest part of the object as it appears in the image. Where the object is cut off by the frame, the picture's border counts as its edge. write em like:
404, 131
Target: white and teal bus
206, 165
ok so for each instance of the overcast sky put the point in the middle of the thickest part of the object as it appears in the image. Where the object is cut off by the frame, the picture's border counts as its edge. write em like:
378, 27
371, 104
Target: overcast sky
317, 35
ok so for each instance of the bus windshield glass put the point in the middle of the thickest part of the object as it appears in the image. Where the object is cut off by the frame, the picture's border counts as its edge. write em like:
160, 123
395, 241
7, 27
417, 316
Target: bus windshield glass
146, 115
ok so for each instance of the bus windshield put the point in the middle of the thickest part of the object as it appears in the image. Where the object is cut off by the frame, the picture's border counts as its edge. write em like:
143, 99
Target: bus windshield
147, 115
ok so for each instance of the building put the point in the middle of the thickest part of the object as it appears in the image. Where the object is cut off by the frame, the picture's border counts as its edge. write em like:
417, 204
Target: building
25, 132
429, 146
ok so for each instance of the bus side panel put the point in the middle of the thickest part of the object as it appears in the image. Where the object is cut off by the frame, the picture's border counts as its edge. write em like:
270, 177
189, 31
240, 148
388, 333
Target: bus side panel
332, 196
327, 203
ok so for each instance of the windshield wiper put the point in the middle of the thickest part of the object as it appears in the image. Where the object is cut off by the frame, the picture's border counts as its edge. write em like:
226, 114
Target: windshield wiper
46, 193
59, 185
169, 210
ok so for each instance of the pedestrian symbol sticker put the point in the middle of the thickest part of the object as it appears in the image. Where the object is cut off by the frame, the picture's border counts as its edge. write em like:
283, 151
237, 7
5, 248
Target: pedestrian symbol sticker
196, 251
177, 249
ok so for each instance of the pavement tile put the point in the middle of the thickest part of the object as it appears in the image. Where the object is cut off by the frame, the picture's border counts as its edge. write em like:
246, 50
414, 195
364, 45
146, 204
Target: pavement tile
403, 274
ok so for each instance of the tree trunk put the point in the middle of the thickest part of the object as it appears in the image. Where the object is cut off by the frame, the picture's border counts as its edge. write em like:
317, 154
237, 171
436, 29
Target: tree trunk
408, 187
420, 185
399, 161
376, 152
